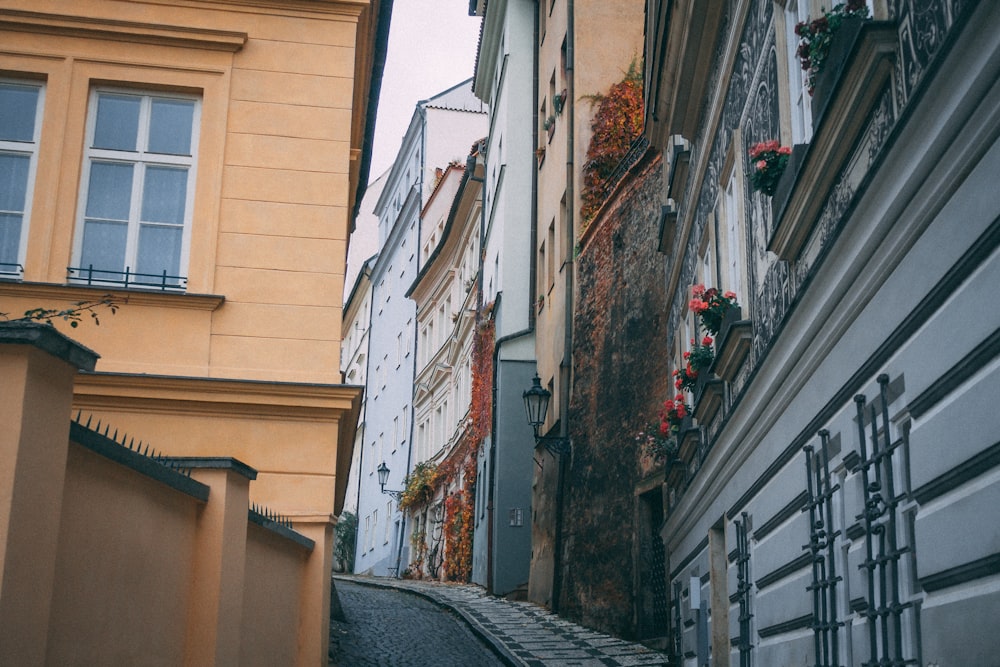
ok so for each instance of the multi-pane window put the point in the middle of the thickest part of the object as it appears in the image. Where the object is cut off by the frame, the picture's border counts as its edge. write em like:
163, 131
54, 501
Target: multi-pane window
20, 109
138, 188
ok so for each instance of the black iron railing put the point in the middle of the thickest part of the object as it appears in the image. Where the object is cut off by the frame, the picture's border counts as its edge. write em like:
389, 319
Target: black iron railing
635, 151
96, 276
11, 270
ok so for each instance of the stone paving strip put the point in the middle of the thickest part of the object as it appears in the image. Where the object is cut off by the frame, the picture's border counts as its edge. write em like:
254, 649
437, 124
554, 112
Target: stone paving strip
524, 634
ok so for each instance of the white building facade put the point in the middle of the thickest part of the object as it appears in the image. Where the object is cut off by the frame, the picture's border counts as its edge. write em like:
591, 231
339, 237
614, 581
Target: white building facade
504, 80
445, 295
441, 131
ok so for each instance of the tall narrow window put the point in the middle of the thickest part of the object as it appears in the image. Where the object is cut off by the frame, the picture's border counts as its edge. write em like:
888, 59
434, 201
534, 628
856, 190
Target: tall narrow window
20, 107
798, 86
138, 190
551, 267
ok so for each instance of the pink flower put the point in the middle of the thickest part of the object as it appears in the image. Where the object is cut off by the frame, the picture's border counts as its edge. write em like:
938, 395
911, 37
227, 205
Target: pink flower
785, 150
730, 295
707, 340
681, 411
697, 305
761, 165
697, 290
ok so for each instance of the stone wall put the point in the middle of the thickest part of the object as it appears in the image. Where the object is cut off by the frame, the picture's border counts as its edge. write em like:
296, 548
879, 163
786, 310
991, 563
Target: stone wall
620, 380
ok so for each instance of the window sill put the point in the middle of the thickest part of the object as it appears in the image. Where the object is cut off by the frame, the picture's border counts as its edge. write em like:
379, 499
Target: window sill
732, 345
132, 295
708, 397
849, 90
687, 440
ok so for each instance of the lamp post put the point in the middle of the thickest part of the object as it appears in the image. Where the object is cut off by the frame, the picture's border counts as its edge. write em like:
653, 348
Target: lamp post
383, 477
536, 405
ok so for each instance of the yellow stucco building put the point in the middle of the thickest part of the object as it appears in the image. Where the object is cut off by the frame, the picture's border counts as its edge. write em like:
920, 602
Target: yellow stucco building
199, 161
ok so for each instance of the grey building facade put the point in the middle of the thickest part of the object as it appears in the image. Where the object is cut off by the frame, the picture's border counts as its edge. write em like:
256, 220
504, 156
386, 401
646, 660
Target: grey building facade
833, 500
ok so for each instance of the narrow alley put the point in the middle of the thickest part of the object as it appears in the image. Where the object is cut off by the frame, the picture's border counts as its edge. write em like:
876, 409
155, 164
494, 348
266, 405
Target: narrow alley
399, 623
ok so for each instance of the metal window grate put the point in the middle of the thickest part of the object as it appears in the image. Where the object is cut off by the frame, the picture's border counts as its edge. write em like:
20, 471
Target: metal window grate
743, 588
884, 610
822, 548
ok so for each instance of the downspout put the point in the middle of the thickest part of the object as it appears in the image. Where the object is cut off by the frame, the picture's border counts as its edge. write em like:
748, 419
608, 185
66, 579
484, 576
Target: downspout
566, 367
409, 442
533, 249
368, 368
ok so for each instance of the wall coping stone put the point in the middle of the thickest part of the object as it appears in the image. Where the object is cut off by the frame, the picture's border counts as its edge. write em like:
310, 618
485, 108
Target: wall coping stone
48, 339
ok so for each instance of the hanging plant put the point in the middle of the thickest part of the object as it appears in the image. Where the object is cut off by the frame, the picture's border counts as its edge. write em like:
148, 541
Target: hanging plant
419, 485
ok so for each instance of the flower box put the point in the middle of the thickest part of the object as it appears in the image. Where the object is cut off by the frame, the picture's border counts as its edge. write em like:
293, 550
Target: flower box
842, 44
859, 80
688, 438
732, 345
788, 179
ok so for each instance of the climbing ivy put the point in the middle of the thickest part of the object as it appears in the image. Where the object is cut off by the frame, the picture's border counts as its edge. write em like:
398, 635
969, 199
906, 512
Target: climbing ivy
617, 123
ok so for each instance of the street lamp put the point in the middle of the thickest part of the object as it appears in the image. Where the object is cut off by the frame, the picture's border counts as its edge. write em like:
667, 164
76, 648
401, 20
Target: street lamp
383, 477
536, 405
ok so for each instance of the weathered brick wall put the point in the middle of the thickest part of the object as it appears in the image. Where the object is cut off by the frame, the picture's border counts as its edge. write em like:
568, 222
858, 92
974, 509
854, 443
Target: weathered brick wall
620, 380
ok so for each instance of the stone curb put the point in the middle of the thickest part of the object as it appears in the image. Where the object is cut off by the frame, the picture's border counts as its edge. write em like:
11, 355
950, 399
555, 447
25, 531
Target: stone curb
492, 641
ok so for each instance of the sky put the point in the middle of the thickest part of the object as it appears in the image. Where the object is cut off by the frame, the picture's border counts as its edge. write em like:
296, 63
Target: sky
432, 47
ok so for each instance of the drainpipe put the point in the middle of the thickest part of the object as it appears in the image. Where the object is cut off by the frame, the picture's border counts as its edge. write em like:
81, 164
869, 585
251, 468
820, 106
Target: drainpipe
409, 440
566, 367
364, 426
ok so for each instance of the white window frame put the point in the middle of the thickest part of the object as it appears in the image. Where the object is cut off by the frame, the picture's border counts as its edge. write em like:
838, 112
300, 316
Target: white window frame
141, 157
31, 150
734, 266
799, 100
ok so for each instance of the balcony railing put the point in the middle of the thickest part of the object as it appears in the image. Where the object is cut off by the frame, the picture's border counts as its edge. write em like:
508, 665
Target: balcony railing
125, 279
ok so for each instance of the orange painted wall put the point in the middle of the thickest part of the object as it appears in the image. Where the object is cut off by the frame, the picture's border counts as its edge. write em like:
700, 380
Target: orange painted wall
123, 567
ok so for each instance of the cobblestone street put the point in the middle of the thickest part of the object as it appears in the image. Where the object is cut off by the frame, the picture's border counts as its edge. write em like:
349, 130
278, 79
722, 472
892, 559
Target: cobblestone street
390, 628
397, 623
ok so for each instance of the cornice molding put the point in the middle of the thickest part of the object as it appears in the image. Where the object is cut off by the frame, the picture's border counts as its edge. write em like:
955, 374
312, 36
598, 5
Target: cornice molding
223, 397
122, 31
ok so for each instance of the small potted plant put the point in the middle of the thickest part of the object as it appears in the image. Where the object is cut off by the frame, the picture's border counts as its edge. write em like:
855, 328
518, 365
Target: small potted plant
815, 36
697, 361
672, 415
769, 161
710, 305
656, 446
